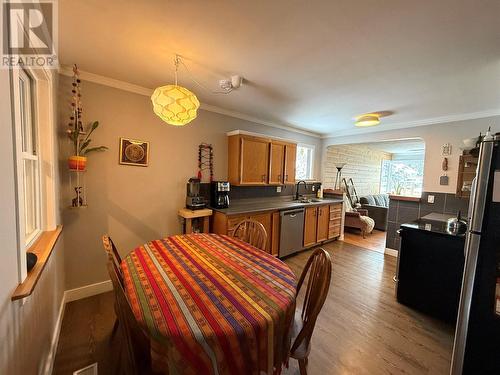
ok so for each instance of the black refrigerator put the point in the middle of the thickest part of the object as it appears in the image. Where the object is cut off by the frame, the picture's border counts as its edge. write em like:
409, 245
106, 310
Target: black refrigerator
476, 348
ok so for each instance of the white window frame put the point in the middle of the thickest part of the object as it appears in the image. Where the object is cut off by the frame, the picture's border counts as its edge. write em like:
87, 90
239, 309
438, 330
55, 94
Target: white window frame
43, 114
313, 152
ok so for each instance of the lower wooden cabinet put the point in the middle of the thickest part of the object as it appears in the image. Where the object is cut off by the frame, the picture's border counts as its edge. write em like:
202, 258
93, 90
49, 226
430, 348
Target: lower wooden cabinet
225, 224
310, 226
322, 223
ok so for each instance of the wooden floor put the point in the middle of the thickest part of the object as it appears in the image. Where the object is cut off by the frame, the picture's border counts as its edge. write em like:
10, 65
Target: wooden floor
361, 329
374, 241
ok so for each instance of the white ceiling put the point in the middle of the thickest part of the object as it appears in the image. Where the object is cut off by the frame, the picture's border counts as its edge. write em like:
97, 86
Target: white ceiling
310, 64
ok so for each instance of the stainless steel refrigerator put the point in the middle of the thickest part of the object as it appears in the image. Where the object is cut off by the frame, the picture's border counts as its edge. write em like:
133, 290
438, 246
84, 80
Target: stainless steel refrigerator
476, 348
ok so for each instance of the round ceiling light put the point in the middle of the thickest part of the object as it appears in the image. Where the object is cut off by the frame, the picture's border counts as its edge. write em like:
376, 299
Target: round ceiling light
371, 119
175, 104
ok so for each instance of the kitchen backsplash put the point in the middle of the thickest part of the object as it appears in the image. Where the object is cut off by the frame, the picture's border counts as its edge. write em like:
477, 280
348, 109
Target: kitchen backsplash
244, 192
401, 212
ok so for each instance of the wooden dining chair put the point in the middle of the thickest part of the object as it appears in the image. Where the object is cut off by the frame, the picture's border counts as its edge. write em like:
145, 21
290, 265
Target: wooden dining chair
251, 232
112, 252
136, 344
319, 268
110, 248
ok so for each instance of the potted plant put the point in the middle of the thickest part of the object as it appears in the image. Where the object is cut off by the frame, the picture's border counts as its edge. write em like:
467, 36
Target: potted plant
80, 139
78, 160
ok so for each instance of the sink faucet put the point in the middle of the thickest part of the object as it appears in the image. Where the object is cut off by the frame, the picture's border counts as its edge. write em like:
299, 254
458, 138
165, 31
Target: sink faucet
297, 189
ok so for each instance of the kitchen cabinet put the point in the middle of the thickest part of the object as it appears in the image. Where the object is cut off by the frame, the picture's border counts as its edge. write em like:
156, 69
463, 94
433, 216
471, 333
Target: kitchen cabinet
322, 223
430, 267
310, 226
290, 161
260, 161
276, 163
225, 224
335, 222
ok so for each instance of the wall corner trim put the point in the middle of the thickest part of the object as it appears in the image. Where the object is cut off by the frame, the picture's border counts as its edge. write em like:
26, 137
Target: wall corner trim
88, 291
49, 361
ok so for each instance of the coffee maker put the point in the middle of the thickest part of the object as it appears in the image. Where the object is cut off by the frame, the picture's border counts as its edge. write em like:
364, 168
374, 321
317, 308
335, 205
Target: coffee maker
193, 199
219, 194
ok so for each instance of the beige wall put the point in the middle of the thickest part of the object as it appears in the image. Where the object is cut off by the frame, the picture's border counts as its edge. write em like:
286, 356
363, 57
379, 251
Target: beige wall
137, 204
26, 329
434, 137
363, 166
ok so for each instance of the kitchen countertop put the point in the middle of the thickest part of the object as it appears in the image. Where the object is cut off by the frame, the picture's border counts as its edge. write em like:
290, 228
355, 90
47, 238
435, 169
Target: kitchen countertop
243, 206
433, 226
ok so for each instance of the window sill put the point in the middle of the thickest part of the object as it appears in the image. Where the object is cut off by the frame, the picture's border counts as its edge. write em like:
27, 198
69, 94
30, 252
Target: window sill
42, 247
404, 198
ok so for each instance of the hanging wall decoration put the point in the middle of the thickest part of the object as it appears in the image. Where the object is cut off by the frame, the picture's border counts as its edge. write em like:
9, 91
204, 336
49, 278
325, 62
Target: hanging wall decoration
80, 139
134, 152
205, 160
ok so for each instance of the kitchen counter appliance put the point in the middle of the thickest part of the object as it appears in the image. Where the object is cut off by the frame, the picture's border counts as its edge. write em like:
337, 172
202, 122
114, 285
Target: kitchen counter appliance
219, 194
292, 231
193, 199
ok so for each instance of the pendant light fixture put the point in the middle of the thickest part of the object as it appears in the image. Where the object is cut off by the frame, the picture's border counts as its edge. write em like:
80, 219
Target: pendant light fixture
174, 104
370, 119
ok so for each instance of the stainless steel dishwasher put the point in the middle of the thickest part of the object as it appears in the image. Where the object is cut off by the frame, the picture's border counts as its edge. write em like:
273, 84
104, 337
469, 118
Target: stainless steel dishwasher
292, 231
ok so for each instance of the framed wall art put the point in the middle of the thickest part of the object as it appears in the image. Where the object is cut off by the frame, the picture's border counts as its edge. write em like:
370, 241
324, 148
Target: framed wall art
134, 152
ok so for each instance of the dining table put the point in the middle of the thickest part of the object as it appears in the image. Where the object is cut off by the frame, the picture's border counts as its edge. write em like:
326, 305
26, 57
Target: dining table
211, 304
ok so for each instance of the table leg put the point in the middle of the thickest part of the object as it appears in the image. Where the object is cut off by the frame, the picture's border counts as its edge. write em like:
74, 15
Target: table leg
189, 226
206, 224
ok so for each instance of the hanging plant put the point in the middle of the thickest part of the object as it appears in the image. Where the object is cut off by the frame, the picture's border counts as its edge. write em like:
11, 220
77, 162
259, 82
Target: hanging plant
80, 139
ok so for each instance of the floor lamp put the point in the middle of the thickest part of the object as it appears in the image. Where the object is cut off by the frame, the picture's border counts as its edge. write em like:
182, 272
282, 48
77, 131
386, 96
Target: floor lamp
338, 178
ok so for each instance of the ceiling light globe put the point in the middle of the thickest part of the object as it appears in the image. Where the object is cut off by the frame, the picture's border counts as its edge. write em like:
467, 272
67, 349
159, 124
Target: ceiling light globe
175, 104
367, 120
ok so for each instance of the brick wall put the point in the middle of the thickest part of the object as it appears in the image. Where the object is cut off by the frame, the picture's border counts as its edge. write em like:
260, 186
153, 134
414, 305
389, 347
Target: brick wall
363, 166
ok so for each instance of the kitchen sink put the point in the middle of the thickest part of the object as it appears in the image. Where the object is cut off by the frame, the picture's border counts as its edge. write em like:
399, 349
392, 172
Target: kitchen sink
305, 200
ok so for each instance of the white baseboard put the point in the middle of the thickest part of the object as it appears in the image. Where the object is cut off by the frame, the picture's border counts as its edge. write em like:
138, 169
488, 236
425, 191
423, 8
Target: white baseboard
391, 252
88, 291
49, 363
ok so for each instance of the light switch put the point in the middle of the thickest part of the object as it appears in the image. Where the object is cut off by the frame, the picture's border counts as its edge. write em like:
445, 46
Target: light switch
278, 189
430, 199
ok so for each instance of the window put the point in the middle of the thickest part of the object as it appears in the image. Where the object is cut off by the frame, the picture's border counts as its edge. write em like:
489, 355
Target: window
304, 164
403, 175
28, 161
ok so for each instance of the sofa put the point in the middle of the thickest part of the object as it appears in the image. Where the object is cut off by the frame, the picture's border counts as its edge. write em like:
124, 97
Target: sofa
377, 206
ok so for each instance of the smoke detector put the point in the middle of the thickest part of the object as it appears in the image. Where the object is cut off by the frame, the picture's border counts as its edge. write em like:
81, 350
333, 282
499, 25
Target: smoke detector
230, 84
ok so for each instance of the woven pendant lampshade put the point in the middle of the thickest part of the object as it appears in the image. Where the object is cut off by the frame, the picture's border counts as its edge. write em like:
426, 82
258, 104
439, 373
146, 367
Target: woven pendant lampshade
175, 104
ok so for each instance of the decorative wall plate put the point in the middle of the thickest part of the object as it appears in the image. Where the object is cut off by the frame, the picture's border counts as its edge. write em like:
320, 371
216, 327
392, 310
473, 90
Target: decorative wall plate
134, 152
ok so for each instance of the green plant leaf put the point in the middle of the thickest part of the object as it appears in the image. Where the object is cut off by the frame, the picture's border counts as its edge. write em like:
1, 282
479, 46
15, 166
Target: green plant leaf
94, 149
84, 145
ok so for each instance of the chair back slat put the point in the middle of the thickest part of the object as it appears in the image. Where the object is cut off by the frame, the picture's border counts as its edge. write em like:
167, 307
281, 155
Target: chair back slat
112, 251
251, 232
318, 271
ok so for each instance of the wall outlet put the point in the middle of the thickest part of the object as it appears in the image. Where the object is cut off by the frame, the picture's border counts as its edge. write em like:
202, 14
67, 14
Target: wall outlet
313, 188
430, 199
278, 189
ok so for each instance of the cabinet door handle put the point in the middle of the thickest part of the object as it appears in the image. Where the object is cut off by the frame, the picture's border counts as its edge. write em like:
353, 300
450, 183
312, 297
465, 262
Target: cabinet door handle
279, 177
286, 177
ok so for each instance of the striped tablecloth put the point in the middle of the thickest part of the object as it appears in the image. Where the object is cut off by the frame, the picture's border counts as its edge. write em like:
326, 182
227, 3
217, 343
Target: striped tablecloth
211, 304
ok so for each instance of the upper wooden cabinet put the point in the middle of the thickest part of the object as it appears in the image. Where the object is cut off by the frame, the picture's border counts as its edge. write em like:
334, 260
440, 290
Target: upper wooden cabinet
260, 161
277, 163
290, 157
